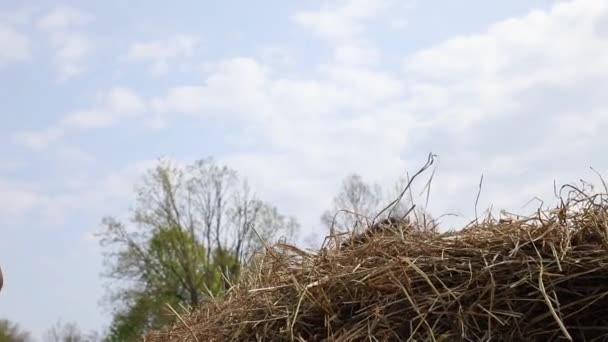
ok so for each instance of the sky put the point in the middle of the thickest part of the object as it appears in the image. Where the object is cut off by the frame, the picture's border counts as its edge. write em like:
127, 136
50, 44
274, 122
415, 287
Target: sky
294, 95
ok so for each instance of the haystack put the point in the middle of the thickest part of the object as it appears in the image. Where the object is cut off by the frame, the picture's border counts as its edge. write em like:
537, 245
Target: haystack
539, 278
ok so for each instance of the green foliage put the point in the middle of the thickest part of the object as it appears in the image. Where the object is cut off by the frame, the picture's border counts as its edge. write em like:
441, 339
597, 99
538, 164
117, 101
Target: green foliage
190, 231
10, 332
226, 266
145, 313
176, 251
174, 271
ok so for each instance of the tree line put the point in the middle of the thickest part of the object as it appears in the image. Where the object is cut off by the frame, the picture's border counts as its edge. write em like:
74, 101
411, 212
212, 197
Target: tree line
191, 231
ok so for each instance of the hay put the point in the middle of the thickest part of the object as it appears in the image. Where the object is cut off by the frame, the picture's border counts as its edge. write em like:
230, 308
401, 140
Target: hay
542, 278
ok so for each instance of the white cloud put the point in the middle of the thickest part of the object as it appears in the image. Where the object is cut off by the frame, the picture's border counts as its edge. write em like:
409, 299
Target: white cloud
495, 103
177, 46
185, 99
220, 86
89, 119
398, 24
16, 199
325, 123
63, 17
243, 85
520, 97
21, 15
276, 55
341, 20
345, 24
545, 46
354, 55
484, 76
39, 140
160, 52
475, 100
301, 196
118, 104
86, 193
124, 100
72, 46
74, 155
15, 46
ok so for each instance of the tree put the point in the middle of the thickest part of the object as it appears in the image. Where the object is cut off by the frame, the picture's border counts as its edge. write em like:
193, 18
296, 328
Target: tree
246, 212
357, 203
144, 311
167, 269
10, 332
191, 230
68, 332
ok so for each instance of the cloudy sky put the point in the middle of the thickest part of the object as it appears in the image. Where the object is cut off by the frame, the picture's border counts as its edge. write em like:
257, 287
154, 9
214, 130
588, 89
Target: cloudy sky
292, 94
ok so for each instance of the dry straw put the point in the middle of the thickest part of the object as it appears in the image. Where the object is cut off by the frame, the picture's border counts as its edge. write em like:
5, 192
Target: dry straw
539, 278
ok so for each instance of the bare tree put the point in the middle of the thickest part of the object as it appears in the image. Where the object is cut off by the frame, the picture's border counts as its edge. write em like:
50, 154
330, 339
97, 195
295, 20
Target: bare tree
68, 332
406, 208
191, 229
357, 203
255, 222
209, 186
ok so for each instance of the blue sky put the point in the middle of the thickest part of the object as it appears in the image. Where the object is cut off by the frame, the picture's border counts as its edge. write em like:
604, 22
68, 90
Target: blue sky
292, 94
